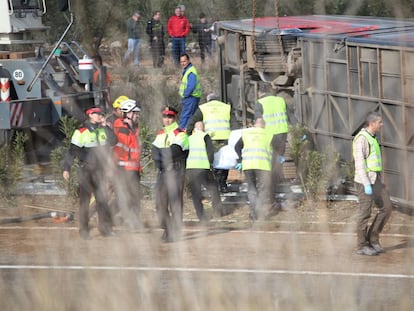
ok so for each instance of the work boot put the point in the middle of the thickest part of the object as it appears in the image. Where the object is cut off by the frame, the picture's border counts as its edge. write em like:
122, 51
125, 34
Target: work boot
367, 251
377, 247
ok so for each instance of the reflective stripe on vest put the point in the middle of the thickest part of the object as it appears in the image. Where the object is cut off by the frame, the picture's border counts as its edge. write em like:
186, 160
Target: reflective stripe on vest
216, 118
197, 90
274, 114
127, 151
374, 160
171, 135
256, 153
129, 163
89, 139
197, 156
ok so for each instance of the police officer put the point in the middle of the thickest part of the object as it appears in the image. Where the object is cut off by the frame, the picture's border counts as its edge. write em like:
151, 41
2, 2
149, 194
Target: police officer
255, 153
90, 145
273, 111
216, 117
127, 154
368, 168
199, 163
169, 152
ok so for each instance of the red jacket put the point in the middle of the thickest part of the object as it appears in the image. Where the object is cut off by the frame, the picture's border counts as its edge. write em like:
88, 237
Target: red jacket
127, 151
178, 26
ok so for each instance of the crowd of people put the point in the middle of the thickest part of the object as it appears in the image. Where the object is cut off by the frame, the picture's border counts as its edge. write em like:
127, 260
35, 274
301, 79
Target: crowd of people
197, 142
178, 27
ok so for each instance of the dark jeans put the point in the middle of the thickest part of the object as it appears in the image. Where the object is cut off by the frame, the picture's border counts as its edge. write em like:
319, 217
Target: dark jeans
204, 47
197, 178
258, 182
158, 52
178, 48
93, 182
370, 234
169, 200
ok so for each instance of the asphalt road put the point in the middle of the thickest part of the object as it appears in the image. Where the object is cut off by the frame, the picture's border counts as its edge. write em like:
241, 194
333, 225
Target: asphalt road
214, 268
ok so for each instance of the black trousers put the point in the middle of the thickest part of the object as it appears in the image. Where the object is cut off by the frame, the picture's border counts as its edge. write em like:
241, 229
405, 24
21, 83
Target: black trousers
278, 147
197, 179
169, 200
93, 181
258, 186
128, 196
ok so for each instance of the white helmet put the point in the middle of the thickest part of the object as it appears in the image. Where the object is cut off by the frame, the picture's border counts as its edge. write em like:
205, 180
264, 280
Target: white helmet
129, 105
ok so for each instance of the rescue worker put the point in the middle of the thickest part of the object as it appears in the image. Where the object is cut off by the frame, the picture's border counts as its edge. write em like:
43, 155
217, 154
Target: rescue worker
216, 117
169, 152
116, 110
190, 90
127, 154
368, 183
91, 144
255, 155
199, 164
273, 110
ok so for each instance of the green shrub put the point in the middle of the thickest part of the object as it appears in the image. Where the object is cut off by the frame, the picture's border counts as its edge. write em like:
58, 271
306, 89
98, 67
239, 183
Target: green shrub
11, 164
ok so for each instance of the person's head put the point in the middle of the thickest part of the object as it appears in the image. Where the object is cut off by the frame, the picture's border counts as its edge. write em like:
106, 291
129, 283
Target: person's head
157, 15
212, 96
199, 126
116, 105
182, 8
177, 11
95, 115
184, 60
260, 122
264, 89
374, 122
169, 115
136, 16
202, 17
130, 110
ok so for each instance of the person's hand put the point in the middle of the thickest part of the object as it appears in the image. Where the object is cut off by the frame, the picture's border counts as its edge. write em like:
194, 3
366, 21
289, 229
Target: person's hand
368, 189
66, 175
238, 167
282, 159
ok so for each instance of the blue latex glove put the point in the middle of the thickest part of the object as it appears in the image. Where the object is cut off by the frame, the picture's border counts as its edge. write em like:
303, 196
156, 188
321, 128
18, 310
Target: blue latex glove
282, 159
368, 189
238, 166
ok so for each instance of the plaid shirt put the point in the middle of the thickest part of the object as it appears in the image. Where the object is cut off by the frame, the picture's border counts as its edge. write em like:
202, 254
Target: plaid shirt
361, 150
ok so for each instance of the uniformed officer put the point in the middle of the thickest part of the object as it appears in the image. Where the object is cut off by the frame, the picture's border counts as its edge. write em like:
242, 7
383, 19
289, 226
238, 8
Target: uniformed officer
90, 145
169, 152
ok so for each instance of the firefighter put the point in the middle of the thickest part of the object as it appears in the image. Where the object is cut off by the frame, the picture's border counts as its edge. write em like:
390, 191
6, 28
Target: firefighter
216, 117
255, 154
169, 152
90, 145
190, 90
273, 110
199, 164
127, 154
368, 167
116, 110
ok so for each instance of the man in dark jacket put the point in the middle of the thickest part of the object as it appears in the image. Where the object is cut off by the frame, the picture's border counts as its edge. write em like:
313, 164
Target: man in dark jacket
155, 31
90, 144
203, 31
134, 30
169, 152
